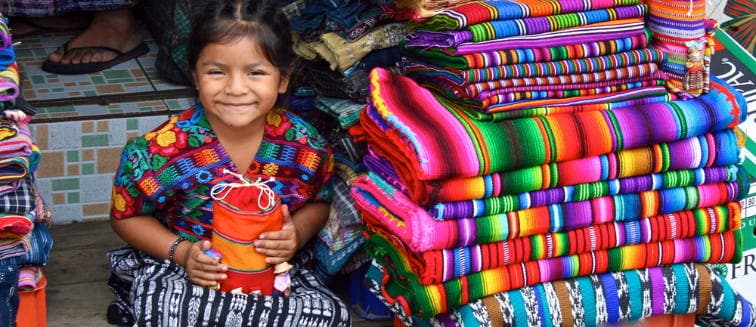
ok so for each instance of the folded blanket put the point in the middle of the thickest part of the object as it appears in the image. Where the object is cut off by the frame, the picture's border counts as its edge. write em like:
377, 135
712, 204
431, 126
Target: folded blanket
481, 90
532, 26
16, 139
40, 244
595, 91
406, 124
386, 210
9, 80
15, 226
538, 53
598, 300
400, 286
19, 199
638, 96
476, 12
13, 248
436, 266
586, 191
576, 35
13, 169
420, 71
708, 150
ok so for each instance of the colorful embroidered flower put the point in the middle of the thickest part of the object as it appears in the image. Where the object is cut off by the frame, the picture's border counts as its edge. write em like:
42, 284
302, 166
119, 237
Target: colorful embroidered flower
122, 203
270, 169
168, 142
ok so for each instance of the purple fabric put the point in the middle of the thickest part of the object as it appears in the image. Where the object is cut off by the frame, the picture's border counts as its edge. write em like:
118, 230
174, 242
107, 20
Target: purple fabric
657, 291
576, 35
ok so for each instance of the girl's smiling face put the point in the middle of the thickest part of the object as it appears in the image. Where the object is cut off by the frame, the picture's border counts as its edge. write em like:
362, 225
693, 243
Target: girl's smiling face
237, 85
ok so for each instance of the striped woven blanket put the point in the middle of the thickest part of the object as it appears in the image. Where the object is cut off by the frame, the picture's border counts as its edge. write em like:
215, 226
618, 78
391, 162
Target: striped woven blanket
537, 53
597, 300
401, 286
408, 126
424, 71
9, 79
436, 266
604, 31
708, 150
581, 192
476, 12
479, 91
386, 210
532, 26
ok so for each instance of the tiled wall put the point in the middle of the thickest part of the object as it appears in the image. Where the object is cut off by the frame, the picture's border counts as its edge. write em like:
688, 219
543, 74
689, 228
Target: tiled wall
78, 161
80, 140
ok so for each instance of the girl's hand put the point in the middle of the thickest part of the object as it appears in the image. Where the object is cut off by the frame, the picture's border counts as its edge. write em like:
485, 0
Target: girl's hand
279, 246
202, 269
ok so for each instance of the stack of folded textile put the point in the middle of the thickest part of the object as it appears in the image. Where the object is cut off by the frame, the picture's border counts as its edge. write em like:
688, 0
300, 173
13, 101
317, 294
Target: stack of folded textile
25, 242
533, 158
532, 57
460, 210
339, 42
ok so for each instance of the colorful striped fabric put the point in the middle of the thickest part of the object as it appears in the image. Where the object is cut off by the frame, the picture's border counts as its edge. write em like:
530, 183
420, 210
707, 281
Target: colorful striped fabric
480, 90
633, 97
477, 12
539, 53
605, 31
418, 70
9, 82
532, 26
562, 97
402, 123
581, 192
386, 210
401, 287
437, 266
16, 140
497, 107
598, 300
708, 150
496, 92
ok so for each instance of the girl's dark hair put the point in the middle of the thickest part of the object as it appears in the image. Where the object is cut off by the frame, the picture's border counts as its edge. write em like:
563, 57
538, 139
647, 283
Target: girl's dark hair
223, 21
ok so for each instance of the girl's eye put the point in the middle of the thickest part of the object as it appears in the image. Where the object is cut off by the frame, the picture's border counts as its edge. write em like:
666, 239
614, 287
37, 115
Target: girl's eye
257, 72
214, 72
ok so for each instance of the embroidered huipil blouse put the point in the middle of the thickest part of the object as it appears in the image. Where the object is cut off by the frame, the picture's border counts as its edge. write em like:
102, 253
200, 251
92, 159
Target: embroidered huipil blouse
168, 172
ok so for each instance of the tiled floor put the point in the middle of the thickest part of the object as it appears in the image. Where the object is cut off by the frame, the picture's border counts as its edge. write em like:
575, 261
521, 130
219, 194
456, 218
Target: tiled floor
128, 88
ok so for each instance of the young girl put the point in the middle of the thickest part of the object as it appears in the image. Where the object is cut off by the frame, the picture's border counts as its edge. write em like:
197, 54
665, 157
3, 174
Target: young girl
240, 54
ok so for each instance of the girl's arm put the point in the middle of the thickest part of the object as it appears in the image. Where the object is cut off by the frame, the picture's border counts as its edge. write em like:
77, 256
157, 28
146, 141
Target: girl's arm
297, 230
309, 220
147, 234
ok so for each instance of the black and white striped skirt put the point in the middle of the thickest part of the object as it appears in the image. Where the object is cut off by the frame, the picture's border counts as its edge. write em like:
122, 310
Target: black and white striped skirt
152, 292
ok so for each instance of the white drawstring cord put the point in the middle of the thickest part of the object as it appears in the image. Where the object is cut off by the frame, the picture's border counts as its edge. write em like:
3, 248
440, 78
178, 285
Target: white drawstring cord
221, 190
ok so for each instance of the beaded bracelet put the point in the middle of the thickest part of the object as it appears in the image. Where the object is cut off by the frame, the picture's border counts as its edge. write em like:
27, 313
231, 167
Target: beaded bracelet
175, 244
